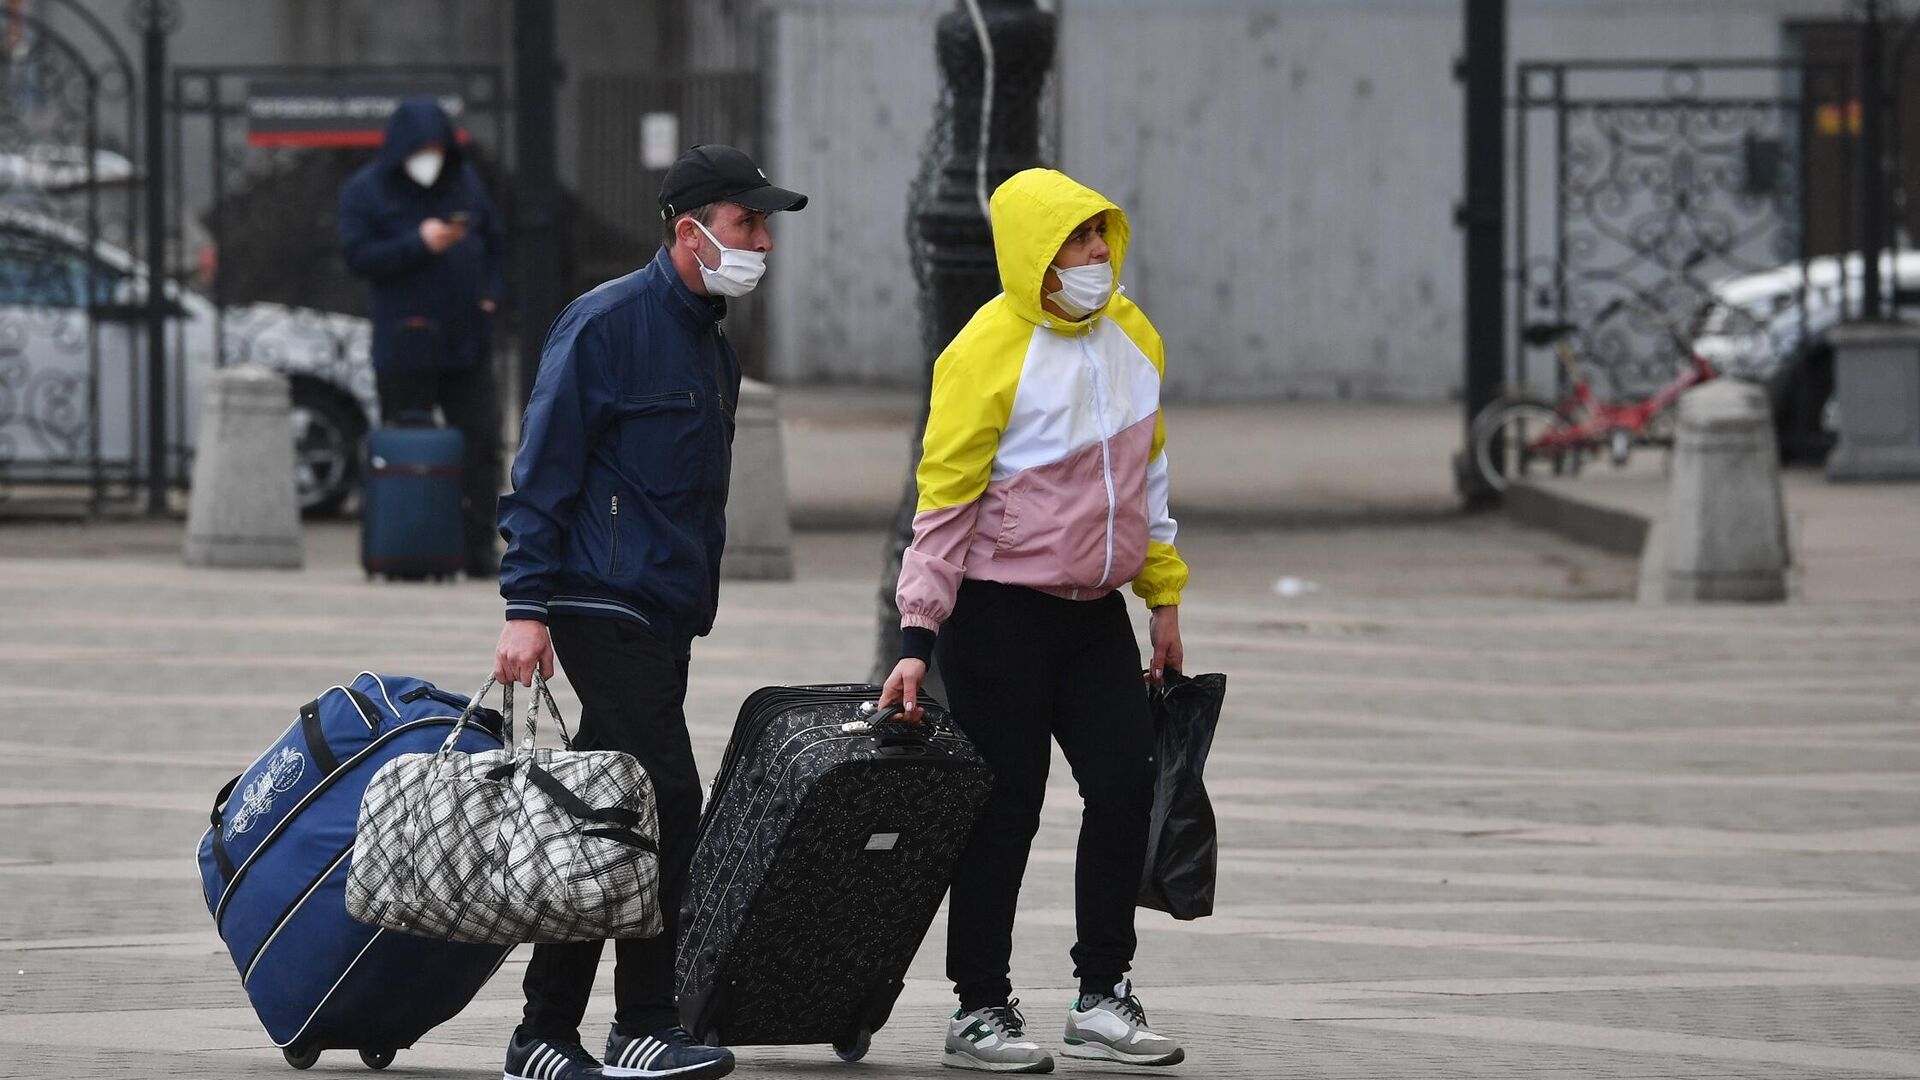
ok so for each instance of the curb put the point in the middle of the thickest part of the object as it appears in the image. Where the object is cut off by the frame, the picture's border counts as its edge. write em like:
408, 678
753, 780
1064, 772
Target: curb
1597, 524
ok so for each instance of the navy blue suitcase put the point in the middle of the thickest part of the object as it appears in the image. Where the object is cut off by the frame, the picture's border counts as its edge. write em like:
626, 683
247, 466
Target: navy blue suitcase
410, 521
274, 868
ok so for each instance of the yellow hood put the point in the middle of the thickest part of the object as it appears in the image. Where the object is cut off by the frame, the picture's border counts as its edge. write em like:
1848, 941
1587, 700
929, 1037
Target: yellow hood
1033, 213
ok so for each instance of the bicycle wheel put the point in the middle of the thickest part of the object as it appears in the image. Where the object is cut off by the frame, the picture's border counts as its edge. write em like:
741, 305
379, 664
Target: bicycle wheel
1506, 441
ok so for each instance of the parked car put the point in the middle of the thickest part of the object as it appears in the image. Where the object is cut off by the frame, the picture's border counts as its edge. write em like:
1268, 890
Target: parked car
42, 169
48, 279
1772, 325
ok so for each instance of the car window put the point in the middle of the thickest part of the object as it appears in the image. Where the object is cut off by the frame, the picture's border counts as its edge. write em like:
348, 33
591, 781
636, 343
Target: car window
36, 272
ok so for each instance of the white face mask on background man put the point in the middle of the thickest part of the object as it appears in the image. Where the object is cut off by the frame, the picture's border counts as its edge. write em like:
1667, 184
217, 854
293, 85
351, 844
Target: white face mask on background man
739, 270
424, 166
1083, 289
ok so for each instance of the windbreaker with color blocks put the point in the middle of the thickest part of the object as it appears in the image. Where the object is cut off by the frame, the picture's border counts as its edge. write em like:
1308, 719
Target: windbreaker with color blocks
1045, 459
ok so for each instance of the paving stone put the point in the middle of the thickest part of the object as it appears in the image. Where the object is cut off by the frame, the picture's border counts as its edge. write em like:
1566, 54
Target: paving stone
1475, 823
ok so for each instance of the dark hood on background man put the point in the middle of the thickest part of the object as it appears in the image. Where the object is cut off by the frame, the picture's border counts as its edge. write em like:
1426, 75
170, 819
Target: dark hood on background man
417, 122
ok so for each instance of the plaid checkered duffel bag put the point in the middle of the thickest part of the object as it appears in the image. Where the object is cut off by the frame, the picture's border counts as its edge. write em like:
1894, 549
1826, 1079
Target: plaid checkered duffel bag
505, 846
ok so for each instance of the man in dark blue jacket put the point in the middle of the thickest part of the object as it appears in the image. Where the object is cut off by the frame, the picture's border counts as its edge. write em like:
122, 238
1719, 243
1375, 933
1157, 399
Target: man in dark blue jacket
417, 224
614, 530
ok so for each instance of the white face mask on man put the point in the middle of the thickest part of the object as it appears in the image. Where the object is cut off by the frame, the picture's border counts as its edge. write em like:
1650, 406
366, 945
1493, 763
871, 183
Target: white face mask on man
424, 166
739, 270
1083, 289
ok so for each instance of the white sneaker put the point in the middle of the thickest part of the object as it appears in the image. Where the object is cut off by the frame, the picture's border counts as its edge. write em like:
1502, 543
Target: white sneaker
1113, 1027
994, 1039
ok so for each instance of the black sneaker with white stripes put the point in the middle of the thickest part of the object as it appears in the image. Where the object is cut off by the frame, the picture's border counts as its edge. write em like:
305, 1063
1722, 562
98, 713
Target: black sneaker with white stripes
667, 1052
548, 1059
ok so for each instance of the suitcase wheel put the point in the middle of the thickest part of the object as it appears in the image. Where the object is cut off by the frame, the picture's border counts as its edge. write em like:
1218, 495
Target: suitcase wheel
377, 1059
856, 1049
301, 1056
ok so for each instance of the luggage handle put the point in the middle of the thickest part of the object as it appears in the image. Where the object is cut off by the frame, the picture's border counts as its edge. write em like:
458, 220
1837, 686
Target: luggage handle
506, 714
873, 719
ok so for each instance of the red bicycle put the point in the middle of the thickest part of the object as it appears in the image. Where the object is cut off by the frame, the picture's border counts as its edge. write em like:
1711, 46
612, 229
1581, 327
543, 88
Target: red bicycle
1518, 434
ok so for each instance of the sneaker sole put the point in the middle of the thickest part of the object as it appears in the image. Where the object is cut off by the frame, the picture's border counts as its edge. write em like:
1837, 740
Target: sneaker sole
1092, 1051
954, 1060
711, 1070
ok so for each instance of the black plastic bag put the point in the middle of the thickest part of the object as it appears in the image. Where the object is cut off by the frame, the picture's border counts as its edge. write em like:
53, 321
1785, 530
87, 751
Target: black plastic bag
1182, 846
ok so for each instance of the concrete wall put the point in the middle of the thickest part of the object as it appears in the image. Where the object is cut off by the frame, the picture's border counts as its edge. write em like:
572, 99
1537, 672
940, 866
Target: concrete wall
850, 99
1291, 168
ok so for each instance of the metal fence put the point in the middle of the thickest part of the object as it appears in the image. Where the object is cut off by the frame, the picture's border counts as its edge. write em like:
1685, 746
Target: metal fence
1644, 180
619, 117
71, 364
252, 238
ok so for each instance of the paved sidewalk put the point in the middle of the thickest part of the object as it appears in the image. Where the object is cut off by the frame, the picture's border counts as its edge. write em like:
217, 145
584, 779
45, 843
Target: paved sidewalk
1477, 820
1274, 464
1849, 543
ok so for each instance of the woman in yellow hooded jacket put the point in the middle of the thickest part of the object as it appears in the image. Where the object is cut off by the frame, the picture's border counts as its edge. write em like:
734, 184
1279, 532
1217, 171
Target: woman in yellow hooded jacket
1043, 489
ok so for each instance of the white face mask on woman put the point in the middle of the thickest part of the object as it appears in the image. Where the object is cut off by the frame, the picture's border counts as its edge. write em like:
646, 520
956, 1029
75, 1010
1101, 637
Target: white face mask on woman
1083, 289
424, 166
739, 270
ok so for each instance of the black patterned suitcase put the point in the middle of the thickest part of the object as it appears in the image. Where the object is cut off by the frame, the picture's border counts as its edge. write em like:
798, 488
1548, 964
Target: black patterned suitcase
826, 846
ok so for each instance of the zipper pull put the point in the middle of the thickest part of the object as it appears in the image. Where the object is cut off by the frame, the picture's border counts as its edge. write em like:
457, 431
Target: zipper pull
616, 506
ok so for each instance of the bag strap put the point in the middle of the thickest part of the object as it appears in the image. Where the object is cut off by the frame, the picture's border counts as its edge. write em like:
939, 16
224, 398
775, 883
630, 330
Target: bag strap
622, 820
540, 691
473, 706
221, 859
316, 737
565, 799
533, 711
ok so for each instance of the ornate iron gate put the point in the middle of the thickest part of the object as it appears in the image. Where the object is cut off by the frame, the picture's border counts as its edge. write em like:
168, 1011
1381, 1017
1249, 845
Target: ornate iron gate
1648, 180
72, 395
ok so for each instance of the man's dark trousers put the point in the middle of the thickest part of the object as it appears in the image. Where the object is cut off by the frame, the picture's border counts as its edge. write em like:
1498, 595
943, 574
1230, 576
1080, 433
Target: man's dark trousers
470, 398
632, 688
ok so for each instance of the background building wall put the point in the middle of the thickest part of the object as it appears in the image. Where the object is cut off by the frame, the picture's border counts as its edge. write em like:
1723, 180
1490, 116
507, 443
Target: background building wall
1291, 168
851, 96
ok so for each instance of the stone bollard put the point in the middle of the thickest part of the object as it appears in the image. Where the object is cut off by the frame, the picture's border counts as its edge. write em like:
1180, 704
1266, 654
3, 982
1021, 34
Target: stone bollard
1726, 528
244, 511
759, 535
1876, 386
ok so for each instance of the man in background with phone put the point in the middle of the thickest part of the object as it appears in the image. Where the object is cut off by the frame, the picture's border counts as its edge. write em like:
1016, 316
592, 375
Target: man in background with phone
417, 224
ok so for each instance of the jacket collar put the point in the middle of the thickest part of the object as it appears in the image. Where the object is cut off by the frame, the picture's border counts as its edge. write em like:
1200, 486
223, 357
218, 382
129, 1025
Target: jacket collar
1069, 327
696, 310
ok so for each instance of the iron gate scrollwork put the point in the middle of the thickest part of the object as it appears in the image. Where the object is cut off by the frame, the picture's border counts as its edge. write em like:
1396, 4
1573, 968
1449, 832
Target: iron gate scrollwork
71, 393
1647, 181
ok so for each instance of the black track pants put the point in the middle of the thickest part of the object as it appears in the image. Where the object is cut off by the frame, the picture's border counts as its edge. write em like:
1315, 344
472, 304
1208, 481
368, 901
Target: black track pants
1023, 668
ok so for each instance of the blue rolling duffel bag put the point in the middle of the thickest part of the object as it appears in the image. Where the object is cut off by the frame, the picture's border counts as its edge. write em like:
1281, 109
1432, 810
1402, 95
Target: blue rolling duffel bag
410, 499
274, 866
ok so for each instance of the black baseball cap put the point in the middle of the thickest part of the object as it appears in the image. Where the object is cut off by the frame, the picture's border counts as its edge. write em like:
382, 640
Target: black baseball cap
715, 173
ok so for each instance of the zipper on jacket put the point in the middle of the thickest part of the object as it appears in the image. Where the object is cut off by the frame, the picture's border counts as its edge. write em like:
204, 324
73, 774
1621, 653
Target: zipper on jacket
613, 537
1106, 453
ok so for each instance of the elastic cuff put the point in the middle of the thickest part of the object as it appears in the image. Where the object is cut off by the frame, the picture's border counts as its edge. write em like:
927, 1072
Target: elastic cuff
916, 643
527, 609
1163, 599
